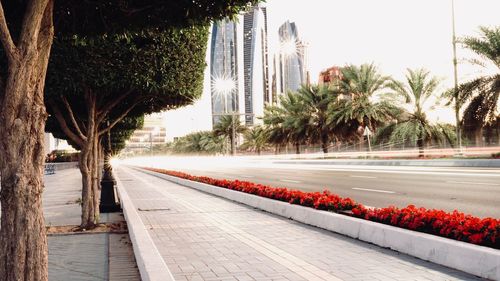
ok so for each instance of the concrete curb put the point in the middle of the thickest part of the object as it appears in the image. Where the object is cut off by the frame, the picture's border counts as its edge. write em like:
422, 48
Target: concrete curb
151, 265
476, 260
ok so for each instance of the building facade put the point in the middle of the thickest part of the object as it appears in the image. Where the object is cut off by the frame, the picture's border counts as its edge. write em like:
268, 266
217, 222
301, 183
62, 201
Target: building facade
152, 133
224, 69
330, 76
292, 59
239, 66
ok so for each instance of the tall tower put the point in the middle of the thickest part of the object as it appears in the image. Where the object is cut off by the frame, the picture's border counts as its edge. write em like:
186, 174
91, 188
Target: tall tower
239, 66
224, 69
257, 85
292, 58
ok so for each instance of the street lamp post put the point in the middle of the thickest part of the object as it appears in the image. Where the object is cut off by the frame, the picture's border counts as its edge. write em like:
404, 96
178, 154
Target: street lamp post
233, 135
455, 76
151, 134
225, 86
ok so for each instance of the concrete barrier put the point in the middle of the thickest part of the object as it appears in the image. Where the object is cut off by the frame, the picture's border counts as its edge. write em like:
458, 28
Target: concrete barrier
477, 260
151, 265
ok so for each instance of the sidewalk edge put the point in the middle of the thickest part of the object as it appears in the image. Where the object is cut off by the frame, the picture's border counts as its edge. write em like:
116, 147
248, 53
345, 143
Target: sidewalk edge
476, 260
151, 265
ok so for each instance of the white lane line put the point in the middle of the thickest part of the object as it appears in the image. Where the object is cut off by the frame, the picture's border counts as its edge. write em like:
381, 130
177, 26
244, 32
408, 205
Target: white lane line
364, 177
409, 172
374, 190
244, 176
292, 181
471, 182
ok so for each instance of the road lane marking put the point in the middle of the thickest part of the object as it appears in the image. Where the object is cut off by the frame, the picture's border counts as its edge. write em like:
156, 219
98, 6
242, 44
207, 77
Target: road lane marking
470, 182
364, 177
244, 176
409, 172
374, 190
292, 181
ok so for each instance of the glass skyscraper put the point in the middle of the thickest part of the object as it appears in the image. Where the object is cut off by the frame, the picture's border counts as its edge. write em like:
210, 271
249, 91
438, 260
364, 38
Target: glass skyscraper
292, 56
239, 55
224, 67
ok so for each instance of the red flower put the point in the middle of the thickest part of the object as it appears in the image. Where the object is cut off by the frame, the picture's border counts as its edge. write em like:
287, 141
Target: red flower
455, 225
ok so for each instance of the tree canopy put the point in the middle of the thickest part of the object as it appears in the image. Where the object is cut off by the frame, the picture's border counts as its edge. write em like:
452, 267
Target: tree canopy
105, 16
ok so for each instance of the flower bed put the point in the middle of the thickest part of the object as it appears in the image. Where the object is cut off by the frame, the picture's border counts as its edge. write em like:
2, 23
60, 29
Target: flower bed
454, 225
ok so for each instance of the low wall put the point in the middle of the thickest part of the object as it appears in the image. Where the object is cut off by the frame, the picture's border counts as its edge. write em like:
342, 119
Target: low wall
63, 165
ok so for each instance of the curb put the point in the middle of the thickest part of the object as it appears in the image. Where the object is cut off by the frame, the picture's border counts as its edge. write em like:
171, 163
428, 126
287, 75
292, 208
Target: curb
477, 260
151, 265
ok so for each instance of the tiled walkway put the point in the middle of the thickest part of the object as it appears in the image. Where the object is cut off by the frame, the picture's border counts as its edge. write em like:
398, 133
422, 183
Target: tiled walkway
203, 237
83, 257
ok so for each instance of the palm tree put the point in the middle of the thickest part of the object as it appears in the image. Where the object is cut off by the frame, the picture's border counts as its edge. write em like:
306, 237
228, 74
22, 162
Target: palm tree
482, 94
414, 125
200, 142
212, 144
274, 117
256, 139
225, 127
314, 102
286, 123
357, 109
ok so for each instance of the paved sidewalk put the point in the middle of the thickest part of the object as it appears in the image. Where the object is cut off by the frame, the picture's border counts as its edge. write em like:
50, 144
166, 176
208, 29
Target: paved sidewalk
83, 257
203, 237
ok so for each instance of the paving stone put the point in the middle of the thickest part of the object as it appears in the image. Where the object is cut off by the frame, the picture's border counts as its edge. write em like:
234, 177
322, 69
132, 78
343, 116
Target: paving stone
85, 257
231, 239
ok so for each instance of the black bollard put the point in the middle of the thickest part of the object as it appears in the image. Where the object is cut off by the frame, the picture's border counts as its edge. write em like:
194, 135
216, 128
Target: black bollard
108, 202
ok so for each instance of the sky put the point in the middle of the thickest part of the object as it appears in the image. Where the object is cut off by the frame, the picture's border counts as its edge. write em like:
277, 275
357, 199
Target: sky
393, 34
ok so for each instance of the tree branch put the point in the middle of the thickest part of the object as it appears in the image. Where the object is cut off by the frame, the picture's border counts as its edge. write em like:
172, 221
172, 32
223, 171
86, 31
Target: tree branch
64, 125
118, 119
6, 38
72, 117
109, 106
31, 24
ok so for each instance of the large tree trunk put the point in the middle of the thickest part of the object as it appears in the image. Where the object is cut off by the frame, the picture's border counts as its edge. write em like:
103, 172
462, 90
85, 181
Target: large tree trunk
297, 148
89, 167
23, 241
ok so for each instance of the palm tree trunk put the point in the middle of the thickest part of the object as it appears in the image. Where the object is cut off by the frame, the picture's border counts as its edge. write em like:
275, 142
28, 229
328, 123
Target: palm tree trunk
324, 144
478, 136
420, 144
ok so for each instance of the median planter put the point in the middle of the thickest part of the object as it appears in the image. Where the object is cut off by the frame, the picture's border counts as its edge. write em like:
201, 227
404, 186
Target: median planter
477, 260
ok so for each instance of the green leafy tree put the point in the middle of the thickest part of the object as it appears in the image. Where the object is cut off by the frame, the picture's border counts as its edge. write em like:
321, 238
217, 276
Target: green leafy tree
357, 108
481, 95
256, 139
122, 132
118, 80
225, 127
418, 91
26, 36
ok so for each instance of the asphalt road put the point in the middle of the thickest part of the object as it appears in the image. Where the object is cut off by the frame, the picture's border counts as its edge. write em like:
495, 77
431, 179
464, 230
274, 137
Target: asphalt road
471, 190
